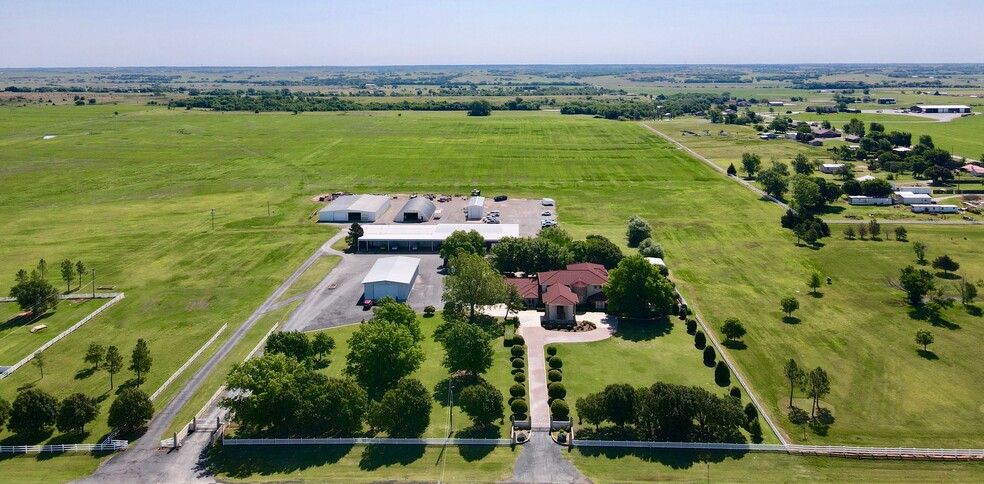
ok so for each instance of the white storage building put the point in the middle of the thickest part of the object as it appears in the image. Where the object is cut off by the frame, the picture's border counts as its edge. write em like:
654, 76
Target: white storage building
941, 108
830, 168
391, 277
923, 190
929, 208
909, 198
355, 208
427, 237
476, 208
863, 200
416, 210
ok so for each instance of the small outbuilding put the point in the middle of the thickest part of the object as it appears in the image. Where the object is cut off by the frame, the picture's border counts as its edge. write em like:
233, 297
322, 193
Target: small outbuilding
355, 208
476, 208
925, 190
866, 178
417, 209
929, 208
863, 200
909, 198
940, 109
830, 168
391, 277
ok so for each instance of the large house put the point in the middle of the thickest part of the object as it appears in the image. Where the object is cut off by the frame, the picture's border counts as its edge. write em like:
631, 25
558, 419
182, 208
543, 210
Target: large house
563, 290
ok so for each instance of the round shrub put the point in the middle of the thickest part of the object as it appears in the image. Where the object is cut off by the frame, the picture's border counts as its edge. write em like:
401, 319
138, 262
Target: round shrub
519, 340
519, 377
650, 248
751, 413
700, 341
709, 355
518, 363
551, 350
518, 351
736, 392
562, 437
521, 437
517, 390
721, 374
519, 406
555, 375
556, 363
691, 326
556, 390
429, 311
559, 410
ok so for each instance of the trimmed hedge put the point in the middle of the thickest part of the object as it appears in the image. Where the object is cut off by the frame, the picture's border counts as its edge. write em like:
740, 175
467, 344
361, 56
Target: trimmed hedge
691, 326
518, 351
519, 377
736, 392
709, 355
556, 363
556, 390
519, 340
555, 375
517, 390
519, 406
518, 363
559, 410
722, 375
551, 350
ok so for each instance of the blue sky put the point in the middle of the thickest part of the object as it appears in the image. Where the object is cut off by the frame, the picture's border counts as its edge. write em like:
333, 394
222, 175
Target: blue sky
64, 33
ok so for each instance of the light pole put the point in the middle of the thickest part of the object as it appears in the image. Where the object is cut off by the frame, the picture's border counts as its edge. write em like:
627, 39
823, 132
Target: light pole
93, 284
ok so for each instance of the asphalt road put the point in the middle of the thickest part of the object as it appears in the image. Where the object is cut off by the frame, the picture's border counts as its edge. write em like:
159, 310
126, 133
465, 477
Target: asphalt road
541, 461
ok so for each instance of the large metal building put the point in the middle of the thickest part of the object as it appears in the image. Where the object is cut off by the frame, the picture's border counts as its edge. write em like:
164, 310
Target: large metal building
416, 210
391, 277
355, 208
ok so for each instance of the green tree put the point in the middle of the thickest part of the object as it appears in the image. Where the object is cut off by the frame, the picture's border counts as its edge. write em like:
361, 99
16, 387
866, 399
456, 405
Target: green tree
920, 249
638, 230
750, 163
731, 170
33, 412
849, 232
773, 182
114, 363
514, 300
5, 410
619, 400
968, 290
460, 241
788, 305
925, 338
43, 268
467, 348
355, 233
901, 234
845, 172
805, 192
874, 227
945, 264
68, 273
794, 375
802, 165
473, 282
75, 411
591, 409
329, 406
95, 355
389, 309
294, 344
140, 360
322, 345
35, 294
650, 248
855, 127
636, 289
814, 281
556, 235
596, 249
131, 410
479, 107
916, 283
39, 362
816, 385
380, 354
483, 403
404, 411
733, 329
80, 269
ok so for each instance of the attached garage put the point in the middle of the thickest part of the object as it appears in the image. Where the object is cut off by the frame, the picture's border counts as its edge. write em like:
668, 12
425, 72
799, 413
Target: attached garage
416, 210
391, 277
355, 208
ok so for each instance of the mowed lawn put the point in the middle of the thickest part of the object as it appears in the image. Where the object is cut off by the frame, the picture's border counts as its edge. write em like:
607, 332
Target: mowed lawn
16, 338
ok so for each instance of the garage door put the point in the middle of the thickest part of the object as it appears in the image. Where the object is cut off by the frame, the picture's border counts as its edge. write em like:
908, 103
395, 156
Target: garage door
379, 290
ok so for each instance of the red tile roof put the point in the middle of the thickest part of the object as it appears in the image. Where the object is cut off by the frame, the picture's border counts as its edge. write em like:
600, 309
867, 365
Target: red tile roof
582, 274
528, 288
559, 294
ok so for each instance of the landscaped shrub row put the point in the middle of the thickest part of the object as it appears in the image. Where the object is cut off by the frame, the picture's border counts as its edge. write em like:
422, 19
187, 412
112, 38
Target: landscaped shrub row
559, 409
722, 376
517, 391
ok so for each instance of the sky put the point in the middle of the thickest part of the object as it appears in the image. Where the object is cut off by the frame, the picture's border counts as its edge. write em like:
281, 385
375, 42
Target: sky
118, 33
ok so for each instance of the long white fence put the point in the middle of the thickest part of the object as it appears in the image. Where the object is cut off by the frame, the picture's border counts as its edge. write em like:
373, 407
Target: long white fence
111, 446
116, 297
368, 441
188, 363
825, 450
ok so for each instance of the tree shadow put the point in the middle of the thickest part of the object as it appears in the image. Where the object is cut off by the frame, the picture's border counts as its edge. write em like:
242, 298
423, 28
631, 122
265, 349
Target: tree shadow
672, 458
459, 383
947, 275
131, 383
929, 355
26, 386
974, 310
920, 313
643, 329
24, 319
242, 461
735, 344
28, 439
791, 320
816, 294
85, 373
376, 456
70, 438
471, 453
710, 363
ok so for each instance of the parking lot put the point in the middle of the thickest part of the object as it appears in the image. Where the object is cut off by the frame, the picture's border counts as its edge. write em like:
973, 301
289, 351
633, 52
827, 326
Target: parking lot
524, 212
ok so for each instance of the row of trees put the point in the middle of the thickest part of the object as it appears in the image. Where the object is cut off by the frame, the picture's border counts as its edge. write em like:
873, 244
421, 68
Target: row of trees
35, 293
667, 412
874, 229
111, 360
552, 249
34, 412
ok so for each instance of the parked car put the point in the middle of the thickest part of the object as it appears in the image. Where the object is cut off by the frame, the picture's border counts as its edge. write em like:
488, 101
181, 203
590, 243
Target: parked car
546, 214
367, 304
501, 198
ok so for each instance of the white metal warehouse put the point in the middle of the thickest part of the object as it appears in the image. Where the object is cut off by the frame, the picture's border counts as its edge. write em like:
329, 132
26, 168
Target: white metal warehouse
355, 208
476, 208
416, 210
391, 277
427, 237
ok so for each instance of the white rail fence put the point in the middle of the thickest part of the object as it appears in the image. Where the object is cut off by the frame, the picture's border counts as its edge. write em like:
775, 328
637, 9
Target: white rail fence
188, 363
826, 450
116, 297
111, 446
368, 441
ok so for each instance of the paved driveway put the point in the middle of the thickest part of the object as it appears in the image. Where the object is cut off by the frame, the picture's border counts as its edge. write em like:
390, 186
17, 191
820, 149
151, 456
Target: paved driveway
326, 308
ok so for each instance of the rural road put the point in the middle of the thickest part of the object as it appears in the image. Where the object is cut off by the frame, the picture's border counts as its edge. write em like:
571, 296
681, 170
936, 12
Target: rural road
142, 462
541, 461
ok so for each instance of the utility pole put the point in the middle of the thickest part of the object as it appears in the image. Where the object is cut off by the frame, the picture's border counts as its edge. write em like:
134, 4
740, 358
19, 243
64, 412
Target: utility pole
268, 208
93, 284
213, 219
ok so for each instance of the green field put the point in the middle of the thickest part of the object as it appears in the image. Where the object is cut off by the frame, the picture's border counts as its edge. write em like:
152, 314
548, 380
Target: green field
16, 338
311, 277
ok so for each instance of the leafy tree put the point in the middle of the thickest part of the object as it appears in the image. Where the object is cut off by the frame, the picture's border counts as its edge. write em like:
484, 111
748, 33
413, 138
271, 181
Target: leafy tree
636, 288
39, 362
75, 411
638, 230
805, 192
322, 345
721, 373
802, 165
131, 410
679, 413
920, 249
514, 300
968, 291
750, 163
816, 385
597, 249
591, 409
389, 309
814, 281
33, 412
709, 355
855, 127
945, 264
404, 411
479, 107
731, 170
773, 182
293, 344
849, 232
916, 283
140, 360
483, 403
467, 347
794, 375
874, 227
901, 234
529, 255
460, 241
95, 354
80, 269
473, 282
330, 406
67, 273
619, 401
788, 305
650, 248
35, 294
114, 363
733, 329
43, 268
355, 233
925, 338
380, 354
876, 188
5, 410
845, 172
556, 235
700, 341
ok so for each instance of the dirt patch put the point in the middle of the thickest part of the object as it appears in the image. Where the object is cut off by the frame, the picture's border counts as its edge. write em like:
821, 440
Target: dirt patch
198, 304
